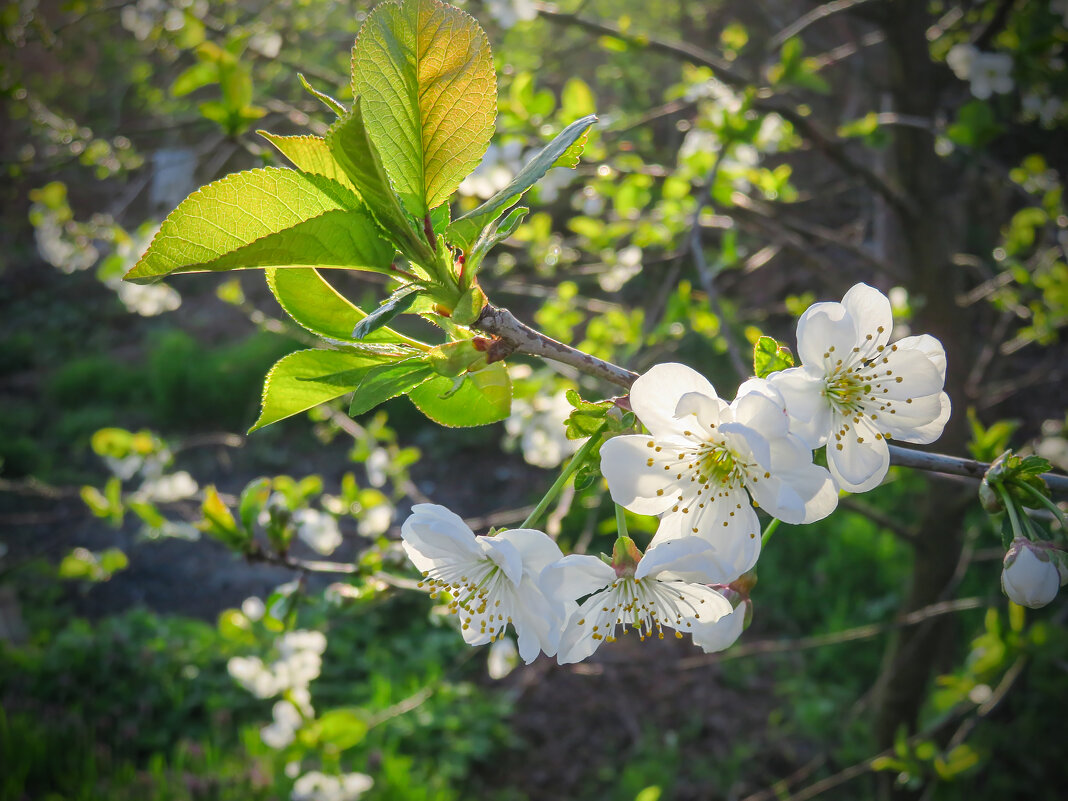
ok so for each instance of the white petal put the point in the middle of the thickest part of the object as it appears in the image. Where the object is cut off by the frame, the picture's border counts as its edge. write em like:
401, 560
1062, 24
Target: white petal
718, 635
536, 622
632, 481
655, 396
436, 533
915, 415
763, 408
872, 316
825, 333
904, 374
577, 642
537, 549
505, 555
747, 443
690, 558
729, 523
858, 466
574, 576
929, 432
707, 410
929, 347
809, 411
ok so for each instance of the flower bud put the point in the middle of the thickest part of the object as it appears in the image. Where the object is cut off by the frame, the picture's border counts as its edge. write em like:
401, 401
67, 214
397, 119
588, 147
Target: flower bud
1029, 576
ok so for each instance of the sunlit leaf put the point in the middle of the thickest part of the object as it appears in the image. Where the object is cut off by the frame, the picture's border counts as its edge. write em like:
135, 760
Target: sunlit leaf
424, 73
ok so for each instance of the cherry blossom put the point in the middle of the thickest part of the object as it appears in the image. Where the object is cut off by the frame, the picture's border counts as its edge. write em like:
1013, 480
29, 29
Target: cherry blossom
706, 462
854, 390
492, 580
645, 593
1029, 576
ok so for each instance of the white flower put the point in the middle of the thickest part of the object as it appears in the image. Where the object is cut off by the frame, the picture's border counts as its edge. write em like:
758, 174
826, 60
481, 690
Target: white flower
492, 580
377, 466
254, 676
538, 424
1029, 576
961, 58
988, 73
496, 170
719, 635
854, 391
167, 489
376, 520
316, 786
298, 640
991, 74
253, 608
283, 730
705, 458
647, 594
319, 530
509, 12
503, 658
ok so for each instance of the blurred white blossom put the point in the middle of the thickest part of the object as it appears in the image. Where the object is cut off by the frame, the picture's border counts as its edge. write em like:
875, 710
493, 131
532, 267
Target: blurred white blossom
316, 786
988, 73
510, 12
318, 530
169, 488
538, 426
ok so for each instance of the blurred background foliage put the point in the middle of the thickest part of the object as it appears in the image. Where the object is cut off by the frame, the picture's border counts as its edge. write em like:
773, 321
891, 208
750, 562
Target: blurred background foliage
750, 158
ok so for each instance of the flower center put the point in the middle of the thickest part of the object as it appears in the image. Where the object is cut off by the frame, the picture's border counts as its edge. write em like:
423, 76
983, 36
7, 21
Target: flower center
645, 605
477, 590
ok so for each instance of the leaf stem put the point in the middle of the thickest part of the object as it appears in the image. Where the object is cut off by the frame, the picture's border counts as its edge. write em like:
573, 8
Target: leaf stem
769, 530
1054, 508
1010, 509
621, 522
572, 466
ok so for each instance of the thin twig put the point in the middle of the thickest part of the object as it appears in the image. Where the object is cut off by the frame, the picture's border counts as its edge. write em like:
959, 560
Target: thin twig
521, 338
812, 17
865, 632
955, 466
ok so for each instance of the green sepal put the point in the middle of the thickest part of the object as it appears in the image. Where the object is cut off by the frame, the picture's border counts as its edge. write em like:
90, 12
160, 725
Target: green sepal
469, 306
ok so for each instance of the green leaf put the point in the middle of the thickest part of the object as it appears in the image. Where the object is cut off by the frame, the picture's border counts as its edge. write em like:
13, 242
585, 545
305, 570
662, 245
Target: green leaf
241, 209
466, 229
201, 74
326, 99
296, 382
310, 154
340, 728
315, 305
353, 149
397, 303
484, 397
219, 521
425, 75
253, 499
770, 356
388, 381
491, 235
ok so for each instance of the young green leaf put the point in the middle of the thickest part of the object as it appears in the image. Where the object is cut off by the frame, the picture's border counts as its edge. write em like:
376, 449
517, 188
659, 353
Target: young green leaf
324, 98
465, 230
484, 397
397, 303
314, 304
388, 381
302, 381
491, 235
237, 211
425, 75
769, 357
310, 154
353, 149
